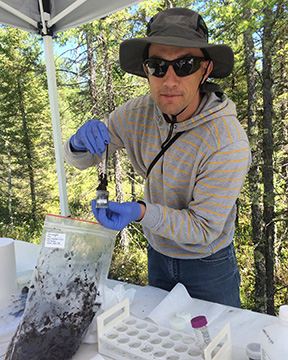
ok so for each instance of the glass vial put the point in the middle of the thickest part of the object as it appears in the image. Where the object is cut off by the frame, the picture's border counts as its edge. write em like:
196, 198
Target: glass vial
102, 197
199, 324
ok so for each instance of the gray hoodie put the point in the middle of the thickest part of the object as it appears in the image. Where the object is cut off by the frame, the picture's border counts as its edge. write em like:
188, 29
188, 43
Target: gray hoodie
191, 192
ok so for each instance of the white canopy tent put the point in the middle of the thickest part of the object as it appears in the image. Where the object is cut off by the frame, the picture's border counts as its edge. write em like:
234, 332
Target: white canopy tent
48, 17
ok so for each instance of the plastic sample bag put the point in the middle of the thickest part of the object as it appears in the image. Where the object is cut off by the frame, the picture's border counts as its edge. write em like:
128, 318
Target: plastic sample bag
72, 265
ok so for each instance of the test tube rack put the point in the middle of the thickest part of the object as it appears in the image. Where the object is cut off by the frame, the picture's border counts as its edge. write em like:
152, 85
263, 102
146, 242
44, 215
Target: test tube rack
122, 336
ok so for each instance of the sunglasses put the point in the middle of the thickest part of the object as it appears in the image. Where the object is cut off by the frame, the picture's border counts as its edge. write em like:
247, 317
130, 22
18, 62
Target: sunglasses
182, 67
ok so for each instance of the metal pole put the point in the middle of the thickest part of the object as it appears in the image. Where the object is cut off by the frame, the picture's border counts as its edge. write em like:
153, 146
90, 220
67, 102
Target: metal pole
54, 106
66, 11
18, 14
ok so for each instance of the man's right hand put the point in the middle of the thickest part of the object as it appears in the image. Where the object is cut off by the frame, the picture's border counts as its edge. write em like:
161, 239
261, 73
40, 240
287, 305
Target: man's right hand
92, 136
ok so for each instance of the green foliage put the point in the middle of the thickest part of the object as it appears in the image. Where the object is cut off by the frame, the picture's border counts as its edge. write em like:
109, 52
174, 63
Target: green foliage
244, 253
24, 124
28, 231
130, 264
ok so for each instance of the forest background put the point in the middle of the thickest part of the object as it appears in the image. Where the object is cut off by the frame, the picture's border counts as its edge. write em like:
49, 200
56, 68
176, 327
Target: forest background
91, 83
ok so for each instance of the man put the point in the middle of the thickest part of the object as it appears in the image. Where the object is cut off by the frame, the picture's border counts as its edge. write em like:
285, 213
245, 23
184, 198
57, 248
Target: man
189, 210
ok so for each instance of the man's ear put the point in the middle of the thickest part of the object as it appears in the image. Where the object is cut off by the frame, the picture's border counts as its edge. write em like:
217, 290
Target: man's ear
145, 70
210, 68
207, 70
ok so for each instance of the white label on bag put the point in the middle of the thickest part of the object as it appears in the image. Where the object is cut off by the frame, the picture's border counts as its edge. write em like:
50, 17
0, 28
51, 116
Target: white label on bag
55, 240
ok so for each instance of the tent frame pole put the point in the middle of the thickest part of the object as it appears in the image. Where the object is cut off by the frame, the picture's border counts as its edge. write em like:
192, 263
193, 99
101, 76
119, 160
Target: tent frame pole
18, 14
54, 106
69, 9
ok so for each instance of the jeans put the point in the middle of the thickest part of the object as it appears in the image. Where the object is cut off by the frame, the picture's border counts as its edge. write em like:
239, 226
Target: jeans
215, 278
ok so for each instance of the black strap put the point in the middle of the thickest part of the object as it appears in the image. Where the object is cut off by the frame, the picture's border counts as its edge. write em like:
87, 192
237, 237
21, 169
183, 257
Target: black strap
164, 148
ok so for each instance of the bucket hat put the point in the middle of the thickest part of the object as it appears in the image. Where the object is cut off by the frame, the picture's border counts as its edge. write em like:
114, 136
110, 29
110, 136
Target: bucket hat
180, 27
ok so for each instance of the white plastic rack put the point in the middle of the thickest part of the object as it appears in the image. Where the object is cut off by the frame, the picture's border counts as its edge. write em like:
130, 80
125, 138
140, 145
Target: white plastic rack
122, 336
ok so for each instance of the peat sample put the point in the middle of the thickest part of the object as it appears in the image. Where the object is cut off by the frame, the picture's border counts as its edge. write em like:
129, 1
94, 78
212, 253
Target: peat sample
72, 267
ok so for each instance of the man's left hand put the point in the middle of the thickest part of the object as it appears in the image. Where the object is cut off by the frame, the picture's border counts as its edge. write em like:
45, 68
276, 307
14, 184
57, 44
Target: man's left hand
118, 215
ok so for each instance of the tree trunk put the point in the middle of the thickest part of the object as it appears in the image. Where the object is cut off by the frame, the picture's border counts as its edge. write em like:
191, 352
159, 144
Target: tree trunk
77, 63
28, 154
170, 4
10, 211
124, 235
110, 105
267, 167
282, 95
92, 73
93, 89
254, 175
132, 182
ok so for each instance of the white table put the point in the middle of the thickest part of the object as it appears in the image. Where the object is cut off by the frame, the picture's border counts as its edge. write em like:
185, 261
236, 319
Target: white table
245, 325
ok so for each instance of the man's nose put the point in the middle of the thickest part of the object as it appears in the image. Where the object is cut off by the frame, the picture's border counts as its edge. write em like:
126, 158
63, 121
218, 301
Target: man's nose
170, 76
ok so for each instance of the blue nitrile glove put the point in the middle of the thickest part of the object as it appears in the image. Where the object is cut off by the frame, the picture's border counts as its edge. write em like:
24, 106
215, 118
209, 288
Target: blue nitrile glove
92, 136
117, 216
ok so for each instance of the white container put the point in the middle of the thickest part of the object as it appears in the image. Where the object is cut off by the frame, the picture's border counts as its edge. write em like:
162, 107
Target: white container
8, 283
177, 323
253, 351
274, 338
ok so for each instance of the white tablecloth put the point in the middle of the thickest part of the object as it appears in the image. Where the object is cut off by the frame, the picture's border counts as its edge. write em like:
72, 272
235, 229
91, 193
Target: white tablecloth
159, 306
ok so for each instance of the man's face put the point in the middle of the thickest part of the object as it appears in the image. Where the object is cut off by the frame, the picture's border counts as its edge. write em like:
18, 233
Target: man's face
173, 93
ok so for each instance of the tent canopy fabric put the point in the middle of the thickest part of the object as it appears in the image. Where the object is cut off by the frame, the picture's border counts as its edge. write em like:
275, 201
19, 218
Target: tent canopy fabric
48, 17
64, 14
